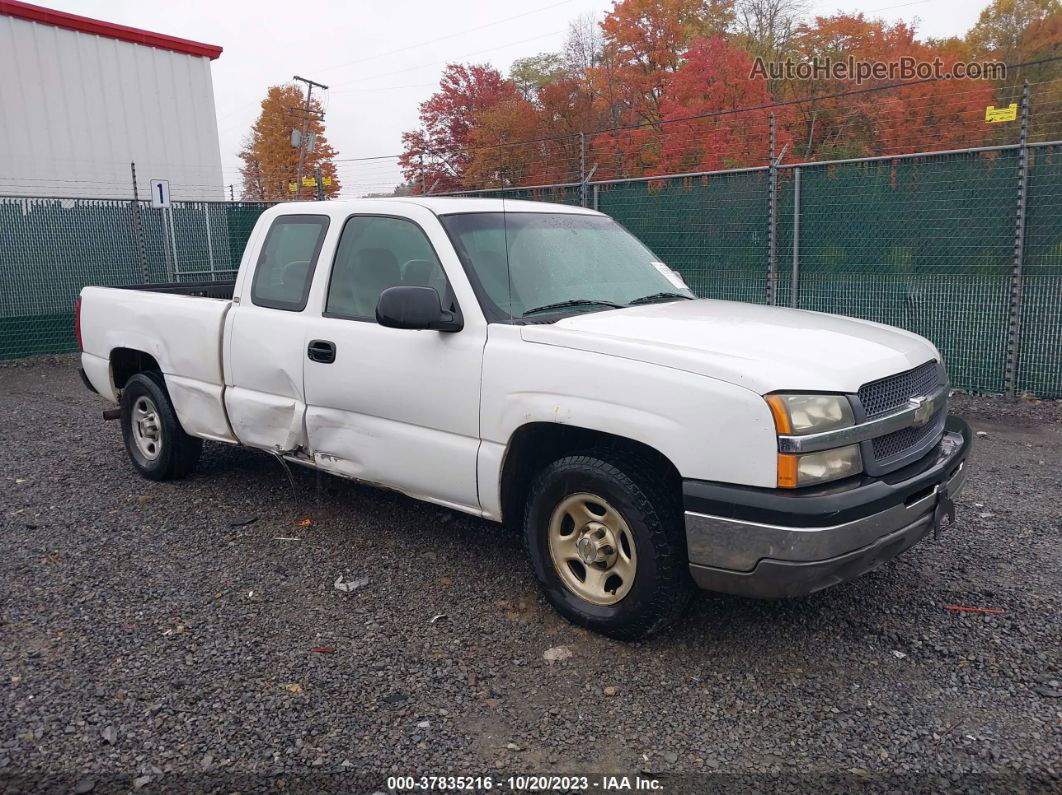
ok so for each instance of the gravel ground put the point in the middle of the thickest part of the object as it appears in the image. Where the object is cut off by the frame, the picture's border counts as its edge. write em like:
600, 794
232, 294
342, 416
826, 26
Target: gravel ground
151, 638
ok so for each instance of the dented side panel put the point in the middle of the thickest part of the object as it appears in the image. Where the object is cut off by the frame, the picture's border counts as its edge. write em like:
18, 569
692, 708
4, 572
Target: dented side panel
441, 467
265, 398
200, 407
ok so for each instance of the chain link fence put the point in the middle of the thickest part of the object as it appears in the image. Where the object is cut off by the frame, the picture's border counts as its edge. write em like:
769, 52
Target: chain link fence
50, 248
962, 246
925, 242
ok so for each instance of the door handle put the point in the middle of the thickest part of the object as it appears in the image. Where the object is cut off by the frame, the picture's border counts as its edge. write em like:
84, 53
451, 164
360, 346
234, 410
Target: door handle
321, 351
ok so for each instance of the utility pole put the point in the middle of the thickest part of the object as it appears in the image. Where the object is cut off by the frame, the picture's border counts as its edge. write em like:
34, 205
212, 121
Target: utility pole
232, 195
302, 137
320, 182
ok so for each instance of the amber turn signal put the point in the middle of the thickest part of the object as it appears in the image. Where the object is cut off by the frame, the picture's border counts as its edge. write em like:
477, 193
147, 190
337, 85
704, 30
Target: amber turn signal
780, 414
787, 471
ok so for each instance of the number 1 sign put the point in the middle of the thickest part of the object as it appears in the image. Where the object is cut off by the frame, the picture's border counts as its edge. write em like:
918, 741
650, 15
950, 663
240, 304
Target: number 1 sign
160, 193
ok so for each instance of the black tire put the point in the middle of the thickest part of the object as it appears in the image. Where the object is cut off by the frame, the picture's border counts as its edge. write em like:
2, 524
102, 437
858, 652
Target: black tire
661, 588
175, 452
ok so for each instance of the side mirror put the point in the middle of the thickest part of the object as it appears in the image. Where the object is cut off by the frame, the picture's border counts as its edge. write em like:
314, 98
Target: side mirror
414, 308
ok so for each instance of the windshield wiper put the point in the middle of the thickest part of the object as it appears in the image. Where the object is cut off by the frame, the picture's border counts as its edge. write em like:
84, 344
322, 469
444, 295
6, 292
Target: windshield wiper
651, 299
572, 302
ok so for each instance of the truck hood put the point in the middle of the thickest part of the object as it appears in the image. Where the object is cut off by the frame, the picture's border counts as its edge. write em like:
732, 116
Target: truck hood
763, 348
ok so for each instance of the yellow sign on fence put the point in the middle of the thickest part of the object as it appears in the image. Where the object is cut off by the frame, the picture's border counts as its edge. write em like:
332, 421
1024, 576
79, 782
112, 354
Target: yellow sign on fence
994, 114
309, 182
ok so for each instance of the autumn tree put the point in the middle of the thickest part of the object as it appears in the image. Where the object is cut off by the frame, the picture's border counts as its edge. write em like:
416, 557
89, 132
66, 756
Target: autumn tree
437, 154
1022, 31
767, 28
582, 47
701, 131
503, 146
643, 45
665, 86
921, 116
532, 74
270, 162
1018, 30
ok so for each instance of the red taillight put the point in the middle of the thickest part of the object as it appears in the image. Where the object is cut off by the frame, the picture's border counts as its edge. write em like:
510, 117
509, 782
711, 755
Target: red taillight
77, 323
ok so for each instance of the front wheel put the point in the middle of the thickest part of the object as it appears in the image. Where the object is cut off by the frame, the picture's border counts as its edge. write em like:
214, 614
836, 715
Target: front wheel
154, 439
607, 544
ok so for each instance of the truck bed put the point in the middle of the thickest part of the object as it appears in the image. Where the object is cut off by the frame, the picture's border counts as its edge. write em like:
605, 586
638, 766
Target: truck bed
181, 326
222, 290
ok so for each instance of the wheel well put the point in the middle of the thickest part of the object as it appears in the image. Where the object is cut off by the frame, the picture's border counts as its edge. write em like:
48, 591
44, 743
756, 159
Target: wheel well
538, 444
126, 362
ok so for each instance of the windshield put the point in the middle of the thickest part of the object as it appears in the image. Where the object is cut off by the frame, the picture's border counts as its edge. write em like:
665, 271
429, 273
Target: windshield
547, 265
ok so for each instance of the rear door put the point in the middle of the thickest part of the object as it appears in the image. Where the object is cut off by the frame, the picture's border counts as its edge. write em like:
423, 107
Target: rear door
265, 400
393, 406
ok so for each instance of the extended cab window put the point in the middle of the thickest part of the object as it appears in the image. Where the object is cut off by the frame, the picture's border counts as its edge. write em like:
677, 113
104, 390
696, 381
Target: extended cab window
285, 267
377, 252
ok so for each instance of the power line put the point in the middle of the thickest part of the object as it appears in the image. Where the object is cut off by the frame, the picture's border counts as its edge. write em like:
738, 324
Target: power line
444, 38
455, 34
445, 60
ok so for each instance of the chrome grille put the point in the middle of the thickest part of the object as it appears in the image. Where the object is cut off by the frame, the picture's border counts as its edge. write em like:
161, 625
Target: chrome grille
897, 443
886, 395
892, 393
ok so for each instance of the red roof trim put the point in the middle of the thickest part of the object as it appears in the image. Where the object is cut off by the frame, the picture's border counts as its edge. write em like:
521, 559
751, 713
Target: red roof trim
61, 19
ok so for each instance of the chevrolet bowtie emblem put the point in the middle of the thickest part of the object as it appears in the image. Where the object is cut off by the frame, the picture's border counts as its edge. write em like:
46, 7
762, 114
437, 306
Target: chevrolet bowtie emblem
923, 411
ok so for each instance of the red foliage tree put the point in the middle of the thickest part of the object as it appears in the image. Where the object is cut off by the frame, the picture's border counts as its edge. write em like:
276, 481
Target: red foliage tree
439, 152
714, 80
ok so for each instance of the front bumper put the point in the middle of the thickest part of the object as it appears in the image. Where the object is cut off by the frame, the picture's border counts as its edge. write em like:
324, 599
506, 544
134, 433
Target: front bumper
775, 543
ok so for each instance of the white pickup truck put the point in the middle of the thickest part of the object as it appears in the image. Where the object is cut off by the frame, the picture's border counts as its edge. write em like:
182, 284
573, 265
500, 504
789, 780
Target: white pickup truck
537, 365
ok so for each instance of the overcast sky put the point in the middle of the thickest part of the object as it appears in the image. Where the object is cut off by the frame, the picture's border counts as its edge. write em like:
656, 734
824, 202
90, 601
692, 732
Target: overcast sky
380, 59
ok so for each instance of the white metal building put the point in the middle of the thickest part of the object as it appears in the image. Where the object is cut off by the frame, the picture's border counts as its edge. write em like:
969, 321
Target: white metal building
80, 99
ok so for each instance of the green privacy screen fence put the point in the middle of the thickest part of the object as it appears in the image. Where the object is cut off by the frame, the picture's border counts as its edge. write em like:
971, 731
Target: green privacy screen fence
923, 242
51, 248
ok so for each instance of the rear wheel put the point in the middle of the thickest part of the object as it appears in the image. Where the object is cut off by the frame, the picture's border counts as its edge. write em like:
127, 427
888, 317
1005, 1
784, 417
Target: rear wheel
154, 439
606, 540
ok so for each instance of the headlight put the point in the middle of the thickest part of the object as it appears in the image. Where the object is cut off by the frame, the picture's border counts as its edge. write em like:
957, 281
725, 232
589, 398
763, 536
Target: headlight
810, 468
798, 415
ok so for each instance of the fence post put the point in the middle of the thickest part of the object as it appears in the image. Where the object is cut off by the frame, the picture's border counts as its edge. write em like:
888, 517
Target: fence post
582, 169
772, 222
794, 285
166, 244
138, 230
210, 239
1017, 266
596, 187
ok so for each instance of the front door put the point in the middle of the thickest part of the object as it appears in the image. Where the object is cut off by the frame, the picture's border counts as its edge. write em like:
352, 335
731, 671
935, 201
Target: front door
392, 406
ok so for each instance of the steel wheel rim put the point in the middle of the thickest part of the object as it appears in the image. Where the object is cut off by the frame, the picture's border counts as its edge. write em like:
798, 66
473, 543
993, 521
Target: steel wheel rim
147, 428
592, 548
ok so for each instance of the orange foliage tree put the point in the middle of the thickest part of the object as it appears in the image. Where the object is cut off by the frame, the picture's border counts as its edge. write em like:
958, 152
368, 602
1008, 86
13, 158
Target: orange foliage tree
867, 121
270, 162
643, 42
